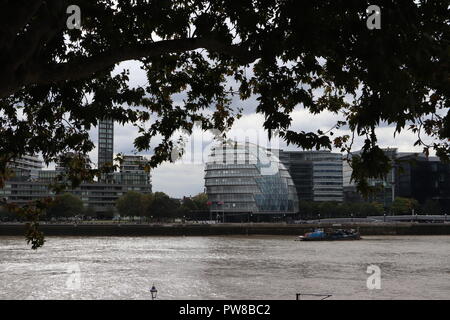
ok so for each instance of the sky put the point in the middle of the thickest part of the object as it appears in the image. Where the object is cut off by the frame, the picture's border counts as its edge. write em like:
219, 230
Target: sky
185, 177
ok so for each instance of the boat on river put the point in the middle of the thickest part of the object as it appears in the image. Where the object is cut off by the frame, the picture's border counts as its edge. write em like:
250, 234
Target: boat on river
334, 235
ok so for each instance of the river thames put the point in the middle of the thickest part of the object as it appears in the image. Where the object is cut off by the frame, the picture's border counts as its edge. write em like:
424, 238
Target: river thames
224, 267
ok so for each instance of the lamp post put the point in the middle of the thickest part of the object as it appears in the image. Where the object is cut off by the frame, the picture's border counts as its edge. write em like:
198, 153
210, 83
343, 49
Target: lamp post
319, 217
154, 292
351, 214
384, 217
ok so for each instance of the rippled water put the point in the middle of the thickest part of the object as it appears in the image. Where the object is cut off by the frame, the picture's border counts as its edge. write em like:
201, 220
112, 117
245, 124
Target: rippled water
224, 268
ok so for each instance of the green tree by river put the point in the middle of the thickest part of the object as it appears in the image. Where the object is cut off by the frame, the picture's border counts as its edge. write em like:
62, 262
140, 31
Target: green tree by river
65, 205
158, 206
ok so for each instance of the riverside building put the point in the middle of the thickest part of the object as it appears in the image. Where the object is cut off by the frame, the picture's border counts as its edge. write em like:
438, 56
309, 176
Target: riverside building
317, 175
426, 179
243, 179
27, 167
105, 142
385, 193
30, 182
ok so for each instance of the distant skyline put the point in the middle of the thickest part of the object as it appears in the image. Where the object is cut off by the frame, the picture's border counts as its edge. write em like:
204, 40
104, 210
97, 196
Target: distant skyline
181, 179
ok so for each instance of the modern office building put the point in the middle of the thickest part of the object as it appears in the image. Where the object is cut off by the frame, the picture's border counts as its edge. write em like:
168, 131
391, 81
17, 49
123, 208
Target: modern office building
424, 179
24, 185
413, 175
385, 193
248, 179
134, 171
317, 175
31, 183
105, 142
101, 197
27, 167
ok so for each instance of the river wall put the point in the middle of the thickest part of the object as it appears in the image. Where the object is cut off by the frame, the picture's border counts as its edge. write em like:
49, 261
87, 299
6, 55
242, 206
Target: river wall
221, 229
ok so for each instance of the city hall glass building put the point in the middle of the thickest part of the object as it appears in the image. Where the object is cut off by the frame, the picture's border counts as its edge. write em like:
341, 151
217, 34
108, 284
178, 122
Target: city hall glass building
246, 178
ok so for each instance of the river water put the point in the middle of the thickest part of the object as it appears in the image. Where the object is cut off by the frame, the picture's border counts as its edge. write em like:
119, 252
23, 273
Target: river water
233, 267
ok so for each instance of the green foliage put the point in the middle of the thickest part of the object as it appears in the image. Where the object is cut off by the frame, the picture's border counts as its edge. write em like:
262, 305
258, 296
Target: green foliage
130, 204
163, 206
373, 162
65, 205
201, 201
157, 205
34, 235
404, 205
6, 215
146, 204
89, 212
189, 204
195, 203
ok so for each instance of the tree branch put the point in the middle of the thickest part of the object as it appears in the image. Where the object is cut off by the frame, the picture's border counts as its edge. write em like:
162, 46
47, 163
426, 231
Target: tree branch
84, 67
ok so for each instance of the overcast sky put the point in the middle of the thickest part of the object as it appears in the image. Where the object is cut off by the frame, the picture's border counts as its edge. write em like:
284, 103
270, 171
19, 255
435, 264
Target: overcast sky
185, 177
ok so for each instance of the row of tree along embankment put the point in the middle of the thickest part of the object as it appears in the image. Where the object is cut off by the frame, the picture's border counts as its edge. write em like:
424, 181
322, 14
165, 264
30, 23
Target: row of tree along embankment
220, 229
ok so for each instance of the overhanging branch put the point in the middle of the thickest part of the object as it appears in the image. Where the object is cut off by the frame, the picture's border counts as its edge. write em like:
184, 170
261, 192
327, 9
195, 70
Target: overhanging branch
84, 67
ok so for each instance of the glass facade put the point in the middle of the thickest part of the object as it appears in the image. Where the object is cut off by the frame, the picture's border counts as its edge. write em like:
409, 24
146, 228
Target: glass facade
386, 187
105, 142
246, 178
424, 179
132, 171
318, 175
